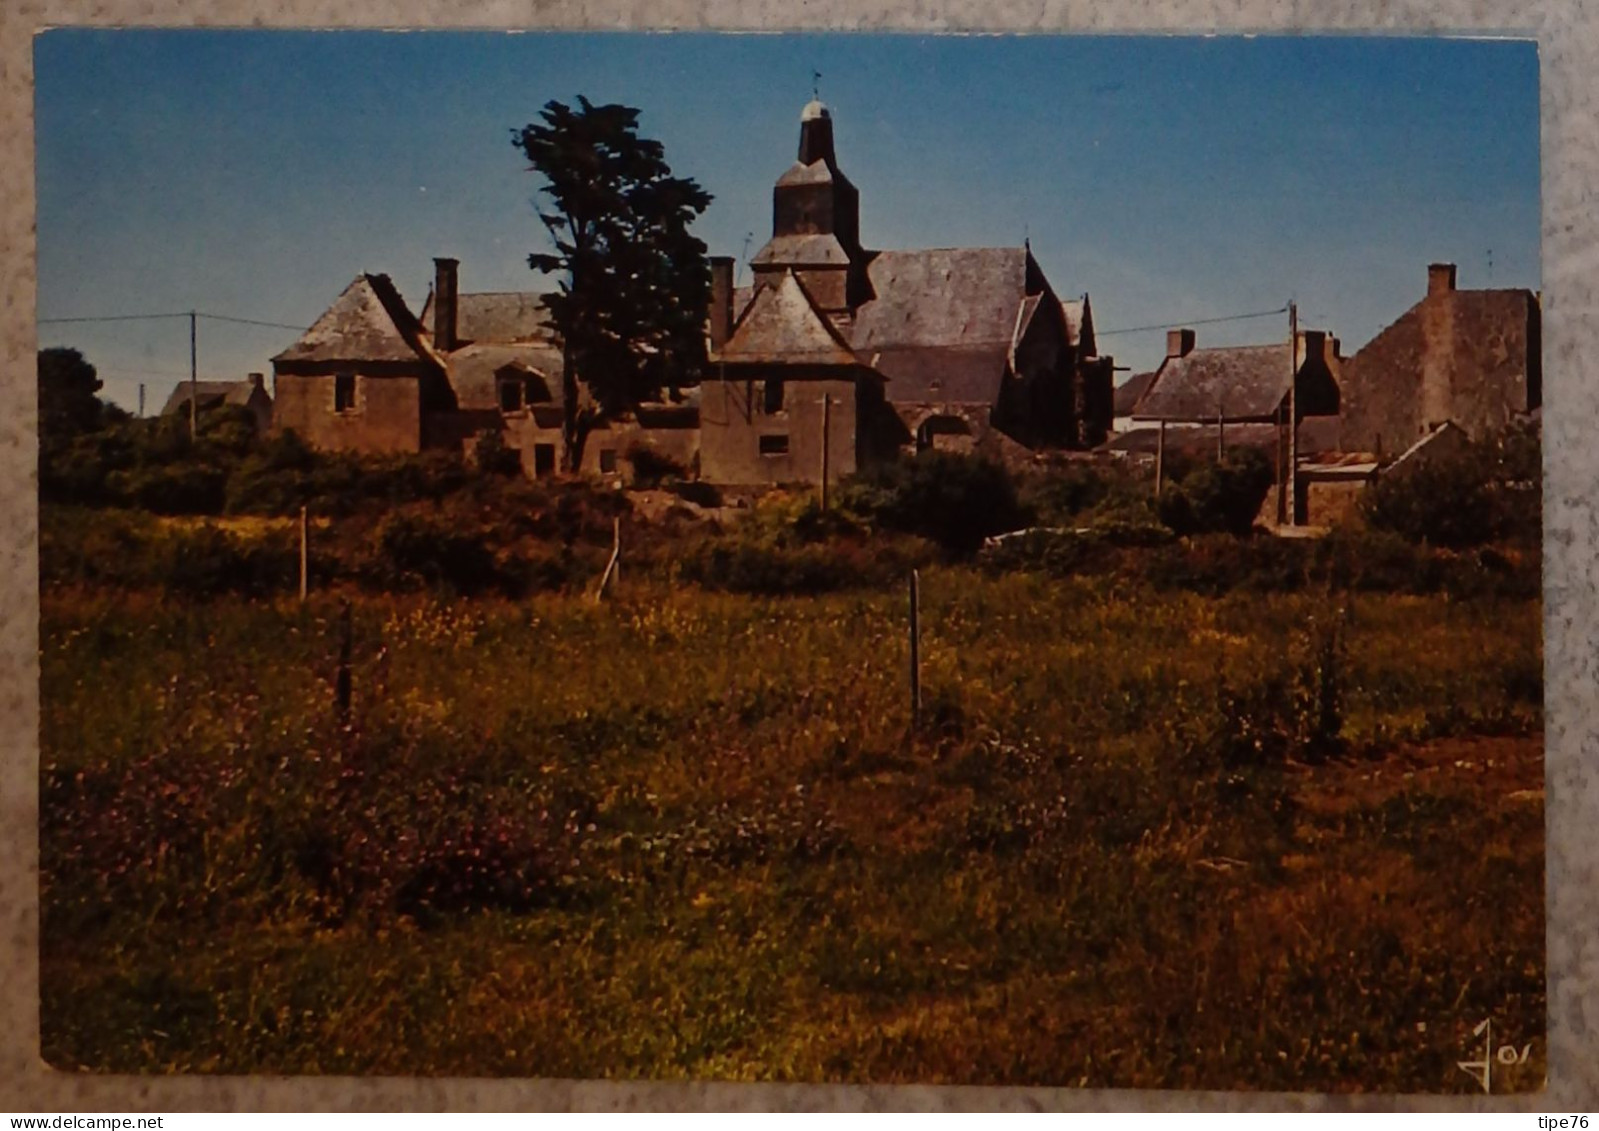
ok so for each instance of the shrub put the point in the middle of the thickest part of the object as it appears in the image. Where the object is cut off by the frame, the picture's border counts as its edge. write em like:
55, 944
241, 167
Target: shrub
745, 564
1221, 497
172, 489
952, 499
491, 455
651, 467
698, 492
207, 561
1213, 564
1445, 501
412, 550
1058, 496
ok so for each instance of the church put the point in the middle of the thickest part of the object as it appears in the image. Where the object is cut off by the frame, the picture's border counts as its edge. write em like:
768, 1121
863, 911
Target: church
838, 355
835, 357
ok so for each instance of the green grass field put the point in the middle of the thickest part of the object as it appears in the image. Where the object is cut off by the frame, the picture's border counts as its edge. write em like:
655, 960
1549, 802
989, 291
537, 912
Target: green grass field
694, 834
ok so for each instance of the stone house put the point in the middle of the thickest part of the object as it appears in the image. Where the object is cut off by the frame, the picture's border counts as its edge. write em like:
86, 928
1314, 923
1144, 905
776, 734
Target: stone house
364, 377
1240, 384
1473, 357
249, 394
967, 348
369, 376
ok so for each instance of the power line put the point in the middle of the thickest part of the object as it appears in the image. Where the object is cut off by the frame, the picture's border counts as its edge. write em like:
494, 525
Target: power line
249, 321
1191, 322
178, 314
113, 318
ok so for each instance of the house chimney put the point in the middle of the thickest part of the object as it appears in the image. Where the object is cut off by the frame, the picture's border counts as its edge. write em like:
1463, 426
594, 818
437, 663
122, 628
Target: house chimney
1315, 347
444, 304
1179, 343
1440, 278
721, 300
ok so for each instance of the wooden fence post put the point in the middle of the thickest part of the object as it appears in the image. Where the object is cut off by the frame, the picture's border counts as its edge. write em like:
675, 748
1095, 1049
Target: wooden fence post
613, 568
916, 652
343, 681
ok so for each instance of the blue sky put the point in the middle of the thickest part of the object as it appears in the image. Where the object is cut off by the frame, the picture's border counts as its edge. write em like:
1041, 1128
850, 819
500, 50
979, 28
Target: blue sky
255, 173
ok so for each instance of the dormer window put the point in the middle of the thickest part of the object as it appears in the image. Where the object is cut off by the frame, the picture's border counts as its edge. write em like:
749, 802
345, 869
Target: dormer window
519, 389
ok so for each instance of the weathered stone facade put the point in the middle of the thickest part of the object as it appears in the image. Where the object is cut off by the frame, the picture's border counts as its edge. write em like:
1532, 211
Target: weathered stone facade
970, 348
363, 377
1471, 357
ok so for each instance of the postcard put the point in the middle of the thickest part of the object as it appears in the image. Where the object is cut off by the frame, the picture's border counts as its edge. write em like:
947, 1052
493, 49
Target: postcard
1007, 560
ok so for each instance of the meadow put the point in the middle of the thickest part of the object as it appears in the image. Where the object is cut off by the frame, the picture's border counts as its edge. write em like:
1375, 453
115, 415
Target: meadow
1141, 836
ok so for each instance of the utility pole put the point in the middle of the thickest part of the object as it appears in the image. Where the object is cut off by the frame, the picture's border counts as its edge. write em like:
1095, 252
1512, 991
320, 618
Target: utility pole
1160, 458
141, 400
827, 428
194, 385
1281, 450
1221, 434
1293, 413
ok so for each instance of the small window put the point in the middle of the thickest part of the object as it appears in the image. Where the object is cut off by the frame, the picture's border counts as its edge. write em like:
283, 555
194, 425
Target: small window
773, 396
543, 460
774, 445
343, 392
510, 396
607, 460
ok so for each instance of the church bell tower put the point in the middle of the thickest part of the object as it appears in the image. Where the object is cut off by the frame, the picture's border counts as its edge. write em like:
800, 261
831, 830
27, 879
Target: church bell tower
815, 222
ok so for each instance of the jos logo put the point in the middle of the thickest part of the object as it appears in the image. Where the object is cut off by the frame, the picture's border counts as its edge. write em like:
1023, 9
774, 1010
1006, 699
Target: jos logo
1483, 1070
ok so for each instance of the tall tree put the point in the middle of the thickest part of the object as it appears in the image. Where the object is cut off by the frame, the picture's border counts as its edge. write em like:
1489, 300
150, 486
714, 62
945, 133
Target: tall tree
68, 403
634, 282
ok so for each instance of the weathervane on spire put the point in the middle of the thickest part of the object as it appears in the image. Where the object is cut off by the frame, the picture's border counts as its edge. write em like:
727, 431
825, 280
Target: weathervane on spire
816, 85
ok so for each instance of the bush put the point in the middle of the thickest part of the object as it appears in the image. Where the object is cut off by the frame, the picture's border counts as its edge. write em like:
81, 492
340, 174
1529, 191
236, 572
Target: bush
412, 551
698, 492
1221, 497
651, 468
1058, 496
1214, 564
954, 500
1483, 492
491, 456
1446, 501
172, 489
744, 564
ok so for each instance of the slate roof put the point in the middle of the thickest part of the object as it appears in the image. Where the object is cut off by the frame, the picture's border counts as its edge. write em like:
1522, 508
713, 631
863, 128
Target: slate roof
968, 296
497, 316
816, 173
939, 375
1129, 391
782, 326
207, 394
473, 370
815, 250
1243, 381
368, 322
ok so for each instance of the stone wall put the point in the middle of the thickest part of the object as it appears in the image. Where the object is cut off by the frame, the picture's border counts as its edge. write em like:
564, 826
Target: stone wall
386, 415
734, 423
1472, 357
